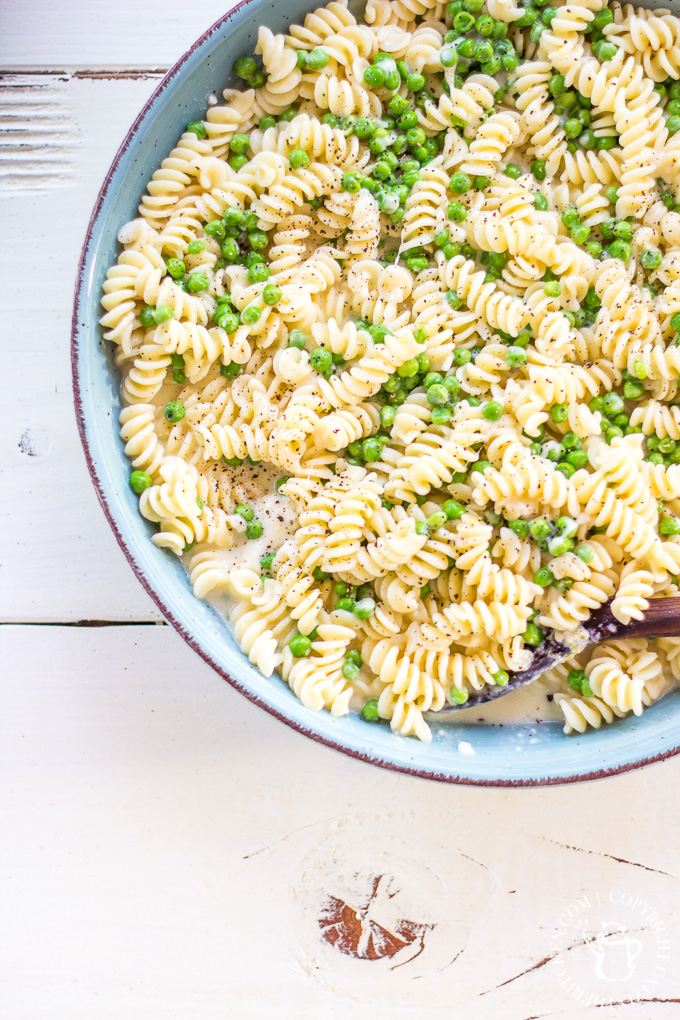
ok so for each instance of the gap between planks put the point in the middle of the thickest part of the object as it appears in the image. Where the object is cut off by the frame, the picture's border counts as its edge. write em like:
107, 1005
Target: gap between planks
125, 73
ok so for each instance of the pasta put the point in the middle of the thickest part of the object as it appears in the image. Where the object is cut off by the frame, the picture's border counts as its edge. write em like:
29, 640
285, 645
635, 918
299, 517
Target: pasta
398, 327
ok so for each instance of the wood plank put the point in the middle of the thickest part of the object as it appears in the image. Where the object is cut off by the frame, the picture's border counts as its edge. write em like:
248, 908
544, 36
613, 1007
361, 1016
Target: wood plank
59, 558
173, 851
94, 34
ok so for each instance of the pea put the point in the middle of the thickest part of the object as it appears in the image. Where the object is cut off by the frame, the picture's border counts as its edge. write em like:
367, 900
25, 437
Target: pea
539, 528
605, 51
245, 67
197, 282
370, 711
527, 19
580, 234
492, 410
416, 264
371, 449
594, 249
520, 528
176, 268
509, 62
230, 249
364, 608
463, 21
258, 273
540, 203
321, 360
552, 288
300, 646
651, 258
173, 411
573, 127
139, 481
512, 170
251, 315
533, 635
226, 320
197, 127
437, 394
460, 183
231, 370
257, 239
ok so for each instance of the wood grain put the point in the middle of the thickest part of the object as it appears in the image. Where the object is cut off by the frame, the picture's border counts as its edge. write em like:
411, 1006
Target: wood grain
170, 849
50, 513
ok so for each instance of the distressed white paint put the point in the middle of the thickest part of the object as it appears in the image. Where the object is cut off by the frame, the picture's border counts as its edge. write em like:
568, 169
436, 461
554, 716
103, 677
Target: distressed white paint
77, 571
169, 848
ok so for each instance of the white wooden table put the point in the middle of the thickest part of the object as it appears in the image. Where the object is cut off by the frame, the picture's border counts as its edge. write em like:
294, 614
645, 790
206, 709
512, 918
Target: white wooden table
169, 851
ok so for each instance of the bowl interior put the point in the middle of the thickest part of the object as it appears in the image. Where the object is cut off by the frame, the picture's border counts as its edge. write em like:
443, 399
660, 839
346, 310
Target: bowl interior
512, 755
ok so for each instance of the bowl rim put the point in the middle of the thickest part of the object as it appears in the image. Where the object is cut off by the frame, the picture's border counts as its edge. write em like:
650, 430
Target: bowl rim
371, 758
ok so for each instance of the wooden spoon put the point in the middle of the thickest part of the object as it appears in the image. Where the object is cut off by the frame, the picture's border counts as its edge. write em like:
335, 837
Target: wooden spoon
662, 619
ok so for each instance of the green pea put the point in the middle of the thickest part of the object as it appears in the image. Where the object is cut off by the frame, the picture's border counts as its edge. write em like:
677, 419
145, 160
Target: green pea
463, 21
553, 288
364, 608
527, 19
673, 125
370, 711
594, 249
492, 410
512, 170
300, 646
580, 234
197, 127
651, 258
533, 635
139, 481
605, 51
540, 203
197, 282
245, 67
173, 411
258, 273
453, 510
620, 250
251, 315
371, 449
226, 320
509, 62
520, 528
163, 313
231, 370
176, 268
321, 360
271, 294
254, 529
573, 127
460, 183
481, 465
544, 577
461, 357
539, 528
230, 249
416, 264
669, 526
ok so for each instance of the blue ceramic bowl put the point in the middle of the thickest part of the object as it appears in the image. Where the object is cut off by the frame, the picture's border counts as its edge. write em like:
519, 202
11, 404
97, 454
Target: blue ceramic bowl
507, 756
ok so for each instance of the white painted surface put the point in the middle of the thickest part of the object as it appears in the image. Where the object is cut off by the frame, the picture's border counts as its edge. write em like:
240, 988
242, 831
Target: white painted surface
169, 850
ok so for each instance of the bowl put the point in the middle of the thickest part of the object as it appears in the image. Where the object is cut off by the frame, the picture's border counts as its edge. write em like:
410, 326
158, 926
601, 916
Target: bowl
511, 755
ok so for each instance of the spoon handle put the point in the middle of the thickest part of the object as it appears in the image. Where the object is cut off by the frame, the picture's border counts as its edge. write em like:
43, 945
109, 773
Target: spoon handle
661, 619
